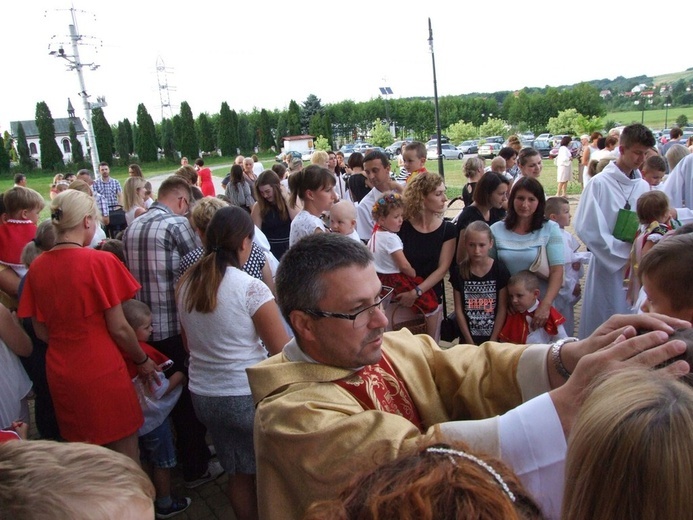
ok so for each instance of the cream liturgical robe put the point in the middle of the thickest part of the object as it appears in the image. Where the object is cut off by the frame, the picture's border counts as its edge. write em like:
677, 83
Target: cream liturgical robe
595, 219
312, 435
679, 188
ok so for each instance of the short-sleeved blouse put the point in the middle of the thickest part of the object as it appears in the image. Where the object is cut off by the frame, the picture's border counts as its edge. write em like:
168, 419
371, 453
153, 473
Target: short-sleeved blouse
519, 251
304, 224
423, 249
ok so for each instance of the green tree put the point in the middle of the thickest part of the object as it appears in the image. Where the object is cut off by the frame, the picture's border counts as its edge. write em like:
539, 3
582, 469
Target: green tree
294, 118
25, 161
380, 134
587, 125
493, 127
9, 146
168, 139
224, 133
282, 131
186, 138
145, 136
311, 106
460, 131
234, 132
682, 120
51, 156
321, 143
77, 151
130, 135
564, 123
266, 138
205, 134
103, 135
246, 138
121, 143
4, 157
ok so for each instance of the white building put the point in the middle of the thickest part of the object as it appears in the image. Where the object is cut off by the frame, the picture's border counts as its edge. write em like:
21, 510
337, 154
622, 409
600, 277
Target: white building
62, 134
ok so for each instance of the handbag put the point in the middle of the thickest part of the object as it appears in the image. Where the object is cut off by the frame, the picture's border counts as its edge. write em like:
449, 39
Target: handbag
541, 266
416, 324
449, 330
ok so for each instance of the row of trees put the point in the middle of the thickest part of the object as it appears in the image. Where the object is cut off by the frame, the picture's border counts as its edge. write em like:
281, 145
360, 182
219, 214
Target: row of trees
579, 108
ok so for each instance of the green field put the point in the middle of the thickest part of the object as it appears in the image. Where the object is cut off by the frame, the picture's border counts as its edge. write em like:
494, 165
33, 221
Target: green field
654, 119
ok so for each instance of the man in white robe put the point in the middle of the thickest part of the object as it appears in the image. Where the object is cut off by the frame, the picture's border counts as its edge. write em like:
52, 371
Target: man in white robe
679, 188
617, 187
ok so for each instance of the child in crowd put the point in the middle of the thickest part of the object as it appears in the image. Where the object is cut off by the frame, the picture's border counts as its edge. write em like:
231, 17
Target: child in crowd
479, 287
393, 268
54, 185
47, 479
558, 210
653, 170
112, 245
523, 295
414, 154
655, 221
343, 219
498, 165
22, 207
666, 274
157, 449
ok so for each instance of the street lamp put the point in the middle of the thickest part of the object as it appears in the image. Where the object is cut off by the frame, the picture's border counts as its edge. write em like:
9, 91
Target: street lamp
435, 98
666, 111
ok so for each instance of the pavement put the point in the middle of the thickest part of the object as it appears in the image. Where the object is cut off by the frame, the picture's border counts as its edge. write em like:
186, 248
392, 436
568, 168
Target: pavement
210, 501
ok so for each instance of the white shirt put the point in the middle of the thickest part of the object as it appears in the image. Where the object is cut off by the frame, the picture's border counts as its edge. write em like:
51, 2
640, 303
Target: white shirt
382, 244
304, 224
364, 217
224, 342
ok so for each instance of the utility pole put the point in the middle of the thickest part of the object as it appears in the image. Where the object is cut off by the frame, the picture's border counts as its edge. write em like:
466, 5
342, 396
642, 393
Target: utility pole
76, 64
435, 97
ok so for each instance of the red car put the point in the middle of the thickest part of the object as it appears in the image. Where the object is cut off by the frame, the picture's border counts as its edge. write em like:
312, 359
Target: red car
574, 147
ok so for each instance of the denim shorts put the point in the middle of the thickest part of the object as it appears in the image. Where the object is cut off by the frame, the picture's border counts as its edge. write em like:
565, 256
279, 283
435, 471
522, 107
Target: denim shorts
229, 421
157, 448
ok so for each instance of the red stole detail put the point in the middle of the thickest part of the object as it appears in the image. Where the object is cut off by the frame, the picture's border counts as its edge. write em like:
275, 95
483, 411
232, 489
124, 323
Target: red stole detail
516, 329
378, 387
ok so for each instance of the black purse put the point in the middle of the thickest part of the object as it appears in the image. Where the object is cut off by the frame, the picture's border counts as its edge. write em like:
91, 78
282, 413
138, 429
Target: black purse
449, 330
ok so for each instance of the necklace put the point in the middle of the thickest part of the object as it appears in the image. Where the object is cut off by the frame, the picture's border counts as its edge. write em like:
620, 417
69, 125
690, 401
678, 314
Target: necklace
68, 242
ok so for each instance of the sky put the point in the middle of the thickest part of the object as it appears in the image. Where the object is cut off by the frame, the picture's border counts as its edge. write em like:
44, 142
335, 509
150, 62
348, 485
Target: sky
264, 53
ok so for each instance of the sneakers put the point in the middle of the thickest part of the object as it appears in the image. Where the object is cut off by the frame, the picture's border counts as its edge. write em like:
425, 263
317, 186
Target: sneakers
177, 506
214, 470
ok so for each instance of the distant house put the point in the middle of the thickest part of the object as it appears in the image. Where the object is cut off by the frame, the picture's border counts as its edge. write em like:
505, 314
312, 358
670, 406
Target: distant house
62, 134
299, 143
647, 93
605, 94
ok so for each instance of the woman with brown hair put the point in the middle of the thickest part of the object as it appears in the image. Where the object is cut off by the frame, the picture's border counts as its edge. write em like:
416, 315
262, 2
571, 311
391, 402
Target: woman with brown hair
428, 239
228, 319
271, 213
436, 482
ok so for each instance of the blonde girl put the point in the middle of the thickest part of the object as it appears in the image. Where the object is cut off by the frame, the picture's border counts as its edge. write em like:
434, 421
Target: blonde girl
133, 198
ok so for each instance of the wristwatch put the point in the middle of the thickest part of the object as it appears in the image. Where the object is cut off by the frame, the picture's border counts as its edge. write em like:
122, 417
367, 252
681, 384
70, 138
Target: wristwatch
418, 290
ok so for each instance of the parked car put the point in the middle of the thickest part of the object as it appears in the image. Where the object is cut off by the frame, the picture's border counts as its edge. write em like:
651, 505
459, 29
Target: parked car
489, 150
434, 142
280, 157
307, 155
447, 150
362, 147
469, 147
545, 137
574, 147
493, 139
347, 150
396, 148
543, 146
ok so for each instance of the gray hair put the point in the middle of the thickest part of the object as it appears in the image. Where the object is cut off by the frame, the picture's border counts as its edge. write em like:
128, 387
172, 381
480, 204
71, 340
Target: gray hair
299, 280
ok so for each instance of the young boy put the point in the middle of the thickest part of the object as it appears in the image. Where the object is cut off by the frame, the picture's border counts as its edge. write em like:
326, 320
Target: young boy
343, 219
22, 209
157, 450
414, 159
666, 274
653, 170
558, 210
523, 296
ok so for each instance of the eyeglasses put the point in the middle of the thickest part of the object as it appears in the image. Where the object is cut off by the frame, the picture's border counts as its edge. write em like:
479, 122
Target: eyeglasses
361, 318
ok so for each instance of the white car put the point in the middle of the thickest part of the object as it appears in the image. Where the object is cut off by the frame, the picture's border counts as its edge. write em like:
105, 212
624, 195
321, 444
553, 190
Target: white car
305, 156
446, 149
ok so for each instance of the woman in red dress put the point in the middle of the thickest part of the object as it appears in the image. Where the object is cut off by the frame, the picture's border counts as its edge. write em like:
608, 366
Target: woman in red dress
204, 179
73, 295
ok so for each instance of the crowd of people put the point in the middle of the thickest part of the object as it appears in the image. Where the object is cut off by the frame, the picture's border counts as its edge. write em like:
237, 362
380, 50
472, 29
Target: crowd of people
264, 319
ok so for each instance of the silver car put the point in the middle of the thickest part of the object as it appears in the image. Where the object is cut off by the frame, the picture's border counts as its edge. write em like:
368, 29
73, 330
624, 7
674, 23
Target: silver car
447, 150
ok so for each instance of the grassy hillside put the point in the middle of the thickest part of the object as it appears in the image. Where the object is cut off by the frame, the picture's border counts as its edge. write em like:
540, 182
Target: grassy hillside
655, 119
686, 75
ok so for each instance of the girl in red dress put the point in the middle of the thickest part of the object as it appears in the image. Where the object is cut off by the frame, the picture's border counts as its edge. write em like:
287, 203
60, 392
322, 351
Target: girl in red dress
79, 315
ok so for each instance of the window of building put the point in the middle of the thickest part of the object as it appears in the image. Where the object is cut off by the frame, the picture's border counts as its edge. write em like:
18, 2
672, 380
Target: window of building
66, 145
32, 149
